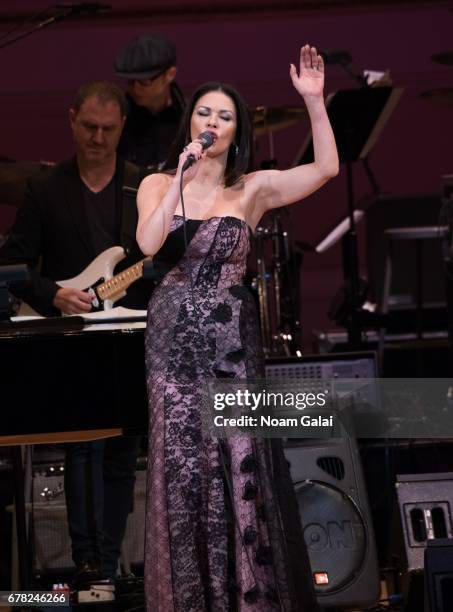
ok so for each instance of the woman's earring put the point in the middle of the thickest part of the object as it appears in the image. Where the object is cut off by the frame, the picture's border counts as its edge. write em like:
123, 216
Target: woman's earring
235, 148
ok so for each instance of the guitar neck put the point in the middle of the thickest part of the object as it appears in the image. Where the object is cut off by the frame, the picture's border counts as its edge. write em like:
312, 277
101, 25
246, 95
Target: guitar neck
120, 282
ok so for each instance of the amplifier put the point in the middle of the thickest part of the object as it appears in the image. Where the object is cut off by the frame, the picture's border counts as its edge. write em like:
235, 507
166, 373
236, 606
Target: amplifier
426, 508
50, 527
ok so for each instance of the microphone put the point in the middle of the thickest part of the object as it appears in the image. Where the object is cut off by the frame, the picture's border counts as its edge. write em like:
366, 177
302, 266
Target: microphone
85, 8
207, 140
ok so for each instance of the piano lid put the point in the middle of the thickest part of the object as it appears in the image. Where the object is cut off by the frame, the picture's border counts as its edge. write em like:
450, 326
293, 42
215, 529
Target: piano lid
63, 379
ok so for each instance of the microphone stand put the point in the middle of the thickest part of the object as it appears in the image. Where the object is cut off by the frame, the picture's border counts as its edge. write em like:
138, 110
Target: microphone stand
65, 13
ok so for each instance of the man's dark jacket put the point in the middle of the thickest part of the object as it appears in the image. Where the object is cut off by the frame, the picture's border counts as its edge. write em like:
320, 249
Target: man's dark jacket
52, 225
147, 137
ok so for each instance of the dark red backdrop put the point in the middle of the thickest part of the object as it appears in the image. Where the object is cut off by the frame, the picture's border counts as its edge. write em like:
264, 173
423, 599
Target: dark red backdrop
251, 49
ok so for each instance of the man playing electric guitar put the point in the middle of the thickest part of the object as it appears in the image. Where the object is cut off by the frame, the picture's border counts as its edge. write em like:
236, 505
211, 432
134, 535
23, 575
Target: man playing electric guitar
98, 279
66, 220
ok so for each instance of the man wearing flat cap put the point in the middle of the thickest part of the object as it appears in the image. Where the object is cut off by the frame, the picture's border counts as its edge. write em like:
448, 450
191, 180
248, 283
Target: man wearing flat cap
148, 64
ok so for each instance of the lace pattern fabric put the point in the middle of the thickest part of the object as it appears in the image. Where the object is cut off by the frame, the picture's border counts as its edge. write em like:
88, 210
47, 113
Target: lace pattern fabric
197, 558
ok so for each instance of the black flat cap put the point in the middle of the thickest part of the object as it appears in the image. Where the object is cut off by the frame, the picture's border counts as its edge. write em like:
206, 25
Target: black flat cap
145, 57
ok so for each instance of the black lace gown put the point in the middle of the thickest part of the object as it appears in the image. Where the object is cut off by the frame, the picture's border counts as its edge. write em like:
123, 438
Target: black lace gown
197, 559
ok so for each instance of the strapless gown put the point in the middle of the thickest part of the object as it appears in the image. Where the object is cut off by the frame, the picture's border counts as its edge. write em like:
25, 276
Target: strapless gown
212, 547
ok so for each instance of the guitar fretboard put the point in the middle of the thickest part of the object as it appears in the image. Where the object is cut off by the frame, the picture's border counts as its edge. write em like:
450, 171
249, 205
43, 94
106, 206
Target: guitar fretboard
118, 283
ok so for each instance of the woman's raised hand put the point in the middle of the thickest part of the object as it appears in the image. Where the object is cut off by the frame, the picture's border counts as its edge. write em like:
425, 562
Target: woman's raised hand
310, 80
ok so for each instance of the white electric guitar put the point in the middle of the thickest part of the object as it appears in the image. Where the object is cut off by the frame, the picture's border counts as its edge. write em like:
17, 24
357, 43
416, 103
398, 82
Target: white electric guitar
99, 281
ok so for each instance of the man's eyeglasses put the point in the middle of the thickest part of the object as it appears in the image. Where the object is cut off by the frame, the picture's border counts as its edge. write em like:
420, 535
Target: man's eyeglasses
148, 81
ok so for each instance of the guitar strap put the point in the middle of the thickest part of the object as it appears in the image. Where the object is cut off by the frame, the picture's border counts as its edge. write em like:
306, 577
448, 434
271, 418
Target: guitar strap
132, 177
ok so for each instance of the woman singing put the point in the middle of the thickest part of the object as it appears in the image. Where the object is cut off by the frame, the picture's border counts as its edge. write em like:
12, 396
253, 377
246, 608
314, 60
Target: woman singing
222, 528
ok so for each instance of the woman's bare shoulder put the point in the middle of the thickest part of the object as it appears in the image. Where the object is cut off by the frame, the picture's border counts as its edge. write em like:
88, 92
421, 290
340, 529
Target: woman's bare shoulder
249, 178
158, 178
151, 191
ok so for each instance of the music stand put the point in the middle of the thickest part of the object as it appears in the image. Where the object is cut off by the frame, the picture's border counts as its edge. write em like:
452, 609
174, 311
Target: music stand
358, 117
332, 237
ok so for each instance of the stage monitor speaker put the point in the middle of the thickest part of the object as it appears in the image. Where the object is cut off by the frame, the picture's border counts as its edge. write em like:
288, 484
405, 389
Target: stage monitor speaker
336, 520
426, 508
330, 490
50, 527
439, 576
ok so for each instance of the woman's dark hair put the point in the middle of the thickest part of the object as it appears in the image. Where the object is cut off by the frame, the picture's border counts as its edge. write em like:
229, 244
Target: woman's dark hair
238, 163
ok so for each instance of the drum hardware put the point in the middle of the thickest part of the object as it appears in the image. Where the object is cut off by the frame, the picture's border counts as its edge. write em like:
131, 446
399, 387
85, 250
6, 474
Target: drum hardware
260, 283
276, 284
269, 119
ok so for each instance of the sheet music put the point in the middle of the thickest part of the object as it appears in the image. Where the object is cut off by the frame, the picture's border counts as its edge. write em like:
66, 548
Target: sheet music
119, 313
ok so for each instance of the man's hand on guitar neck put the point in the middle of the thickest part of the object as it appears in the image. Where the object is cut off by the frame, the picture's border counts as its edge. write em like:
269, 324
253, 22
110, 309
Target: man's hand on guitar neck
72, 301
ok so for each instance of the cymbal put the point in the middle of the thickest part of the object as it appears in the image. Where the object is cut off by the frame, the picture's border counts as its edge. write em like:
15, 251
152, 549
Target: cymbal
440, 95
445, 58
14, 177
268, 119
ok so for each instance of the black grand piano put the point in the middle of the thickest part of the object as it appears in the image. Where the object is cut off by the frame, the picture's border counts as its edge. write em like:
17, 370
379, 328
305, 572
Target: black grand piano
62, 380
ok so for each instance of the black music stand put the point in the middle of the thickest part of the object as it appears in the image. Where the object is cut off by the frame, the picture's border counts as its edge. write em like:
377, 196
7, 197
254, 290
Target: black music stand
357, 117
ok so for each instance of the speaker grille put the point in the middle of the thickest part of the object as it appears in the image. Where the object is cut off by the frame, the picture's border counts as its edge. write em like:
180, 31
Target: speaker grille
51, 538
334, 532
333, 466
